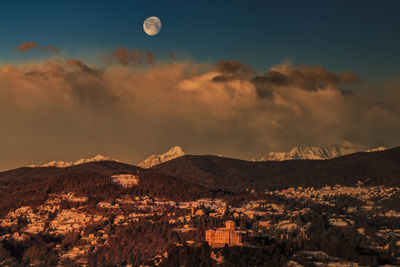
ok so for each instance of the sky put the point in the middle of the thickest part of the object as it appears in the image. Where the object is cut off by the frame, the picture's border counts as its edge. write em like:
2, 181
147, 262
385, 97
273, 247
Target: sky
237, 78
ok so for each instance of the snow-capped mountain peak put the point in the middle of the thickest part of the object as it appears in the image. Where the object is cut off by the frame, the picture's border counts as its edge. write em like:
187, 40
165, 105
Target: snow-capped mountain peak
94, 159
64, 164
375, 149
57, 163
316, 152
174, 152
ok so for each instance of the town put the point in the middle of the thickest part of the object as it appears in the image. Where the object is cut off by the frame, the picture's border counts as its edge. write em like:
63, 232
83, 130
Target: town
287, 215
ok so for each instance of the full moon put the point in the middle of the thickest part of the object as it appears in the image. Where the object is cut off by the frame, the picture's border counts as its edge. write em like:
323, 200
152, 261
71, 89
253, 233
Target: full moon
152, 26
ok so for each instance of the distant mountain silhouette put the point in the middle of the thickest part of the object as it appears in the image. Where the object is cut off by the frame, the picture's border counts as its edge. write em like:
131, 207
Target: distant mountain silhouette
316, 152
380, 167
190, 177
64, 164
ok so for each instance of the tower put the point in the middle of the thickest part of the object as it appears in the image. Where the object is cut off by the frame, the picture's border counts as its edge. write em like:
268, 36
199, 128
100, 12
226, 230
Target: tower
230, 225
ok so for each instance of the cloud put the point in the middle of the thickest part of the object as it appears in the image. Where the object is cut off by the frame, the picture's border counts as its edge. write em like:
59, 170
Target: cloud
232, 67
50, 49
27, 46
67, 109
230, 70
126, 57
172, 56
305, 77
82, 66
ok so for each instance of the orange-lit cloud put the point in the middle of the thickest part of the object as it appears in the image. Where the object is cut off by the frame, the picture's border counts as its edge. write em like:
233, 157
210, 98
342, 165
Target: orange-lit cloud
306, 77
126, 57
56, 107
27, 46
232, 67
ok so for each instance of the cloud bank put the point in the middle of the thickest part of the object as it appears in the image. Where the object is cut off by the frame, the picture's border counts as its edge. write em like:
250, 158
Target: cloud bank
28, 46
66, 109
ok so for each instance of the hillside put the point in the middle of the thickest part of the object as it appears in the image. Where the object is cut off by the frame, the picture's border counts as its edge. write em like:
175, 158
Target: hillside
31, 186
200, 174
381, 167
110, 213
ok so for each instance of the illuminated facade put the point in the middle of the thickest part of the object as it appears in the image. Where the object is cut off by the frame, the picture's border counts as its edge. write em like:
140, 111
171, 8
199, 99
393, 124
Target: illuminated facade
224, 236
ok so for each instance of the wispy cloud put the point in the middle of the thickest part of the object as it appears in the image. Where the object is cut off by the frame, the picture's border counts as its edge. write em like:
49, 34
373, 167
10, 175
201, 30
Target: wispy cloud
28, 46
132, 57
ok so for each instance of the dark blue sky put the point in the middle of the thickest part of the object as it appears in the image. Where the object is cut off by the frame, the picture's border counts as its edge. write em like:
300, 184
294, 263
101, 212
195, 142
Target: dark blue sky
359, 36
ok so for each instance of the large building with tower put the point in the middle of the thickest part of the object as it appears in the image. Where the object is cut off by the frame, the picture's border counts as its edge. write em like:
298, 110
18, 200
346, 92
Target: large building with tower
224, 236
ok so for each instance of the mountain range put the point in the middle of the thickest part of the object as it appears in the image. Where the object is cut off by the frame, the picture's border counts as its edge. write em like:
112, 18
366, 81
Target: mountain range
210, 173
297, 153
64, 164
218, 173
315, 153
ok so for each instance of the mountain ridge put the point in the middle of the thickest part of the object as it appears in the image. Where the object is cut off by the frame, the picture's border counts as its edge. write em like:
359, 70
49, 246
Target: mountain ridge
65, 164
316, 152
225, 173
220, 173
153, 160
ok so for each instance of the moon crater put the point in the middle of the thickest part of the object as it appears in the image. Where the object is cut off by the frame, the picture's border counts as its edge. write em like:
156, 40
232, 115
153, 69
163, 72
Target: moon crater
152, 26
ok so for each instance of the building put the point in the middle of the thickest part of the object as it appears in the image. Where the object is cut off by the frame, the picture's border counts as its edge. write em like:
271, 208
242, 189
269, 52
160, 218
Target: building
224, 236
199, 213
